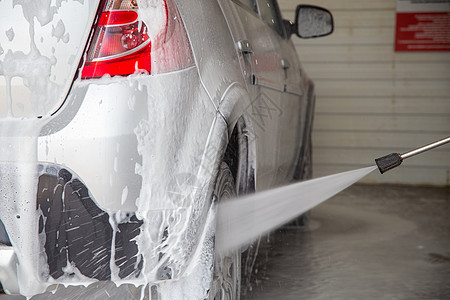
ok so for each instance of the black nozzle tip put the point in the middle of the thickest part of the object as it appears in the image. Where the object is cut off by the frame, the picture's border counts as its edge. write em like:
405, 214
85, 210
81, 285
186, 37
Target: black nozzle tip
388, 162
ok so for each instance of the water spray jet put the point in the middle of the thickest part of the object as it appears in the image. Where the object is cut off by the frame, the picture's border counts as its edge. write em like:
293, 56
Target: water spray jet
394, 160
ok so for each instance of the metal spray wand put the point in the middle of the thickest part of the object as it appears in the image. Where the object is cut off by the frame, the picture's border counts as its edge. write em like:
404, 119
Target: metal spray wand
393, 160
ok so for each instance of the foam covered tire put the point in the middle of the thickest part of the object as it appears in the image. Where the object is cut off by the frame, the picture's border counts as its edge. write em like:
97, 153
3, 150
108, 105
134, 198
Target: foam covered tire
304, 173
227, 267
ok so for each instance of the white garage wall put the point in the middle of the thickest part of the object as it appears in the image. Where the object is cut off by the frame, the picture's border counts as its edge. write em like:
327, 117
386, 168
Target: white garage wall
372, 101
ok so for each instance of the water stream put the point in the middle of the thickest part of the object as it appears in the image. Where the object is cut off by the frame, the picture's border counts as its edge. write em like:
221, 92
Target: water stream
244, 219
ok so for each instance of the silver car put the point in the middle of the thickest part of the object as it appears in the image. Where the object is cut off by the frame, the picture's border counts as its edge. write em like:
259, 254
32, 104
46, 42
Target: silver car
124, 122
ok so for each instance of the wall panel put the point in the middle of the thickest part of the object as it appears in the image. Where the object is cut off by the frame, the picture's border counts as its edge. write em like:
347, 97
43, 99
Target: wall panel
372, 101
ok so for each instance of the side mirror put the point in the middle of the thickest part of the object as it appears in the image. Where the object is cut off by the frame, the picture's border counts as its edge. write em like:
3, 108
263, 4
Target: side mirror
311, 21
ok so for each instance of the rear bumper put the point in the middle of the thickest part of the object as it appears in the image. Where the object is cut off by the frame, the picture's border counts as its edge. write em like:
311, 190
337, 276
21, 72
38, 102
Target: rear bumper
76, 242
92, 218
78, 234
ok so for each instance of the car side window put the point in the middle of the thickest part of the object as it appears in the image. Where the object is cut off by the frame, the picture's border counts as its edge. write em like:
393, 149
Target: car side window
268, 9
250, 4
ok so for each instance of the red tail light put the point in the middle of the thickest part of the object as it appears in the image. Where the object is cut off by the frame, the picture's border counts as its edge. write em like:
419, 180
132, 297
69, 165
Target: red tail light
129, 39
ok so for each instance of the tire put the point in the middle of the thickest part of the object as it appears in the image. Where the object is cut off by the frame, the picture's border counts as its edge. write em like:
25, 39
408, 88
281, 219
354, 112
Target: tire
304, 173
304, 162
227, 268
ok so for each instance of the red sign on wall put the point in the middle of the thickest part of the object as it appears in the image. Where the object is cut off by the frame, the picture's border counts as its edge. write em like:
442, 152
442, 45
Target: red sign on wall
422, 25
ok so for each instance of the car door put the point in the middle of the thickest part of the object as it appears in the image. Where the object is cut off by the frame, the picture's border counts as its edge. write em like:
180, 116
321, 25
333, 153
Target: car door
291, 122
258, 50
258, 32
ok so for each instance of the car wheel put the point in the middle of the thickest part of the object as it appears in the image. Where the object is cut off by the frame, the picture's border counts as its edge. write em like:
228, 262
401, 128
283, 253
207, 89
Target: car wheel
227, 267
304, 173
307, 165
303, 169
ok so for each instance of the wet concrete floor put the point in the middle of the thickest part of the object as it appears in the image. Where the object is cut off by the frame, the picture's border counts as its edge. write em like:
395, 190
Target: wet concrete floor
368, 242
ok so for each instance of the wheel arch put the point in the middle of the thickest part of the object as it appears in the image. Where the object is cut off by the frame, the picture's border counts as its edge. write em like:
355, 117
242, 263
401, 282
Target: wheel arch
306, 143
240, 153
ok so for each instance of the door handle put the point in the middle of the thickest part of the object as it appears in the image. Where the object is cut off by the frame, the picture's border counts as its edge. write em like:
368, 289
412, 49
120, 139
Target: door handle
244, 47
285, 64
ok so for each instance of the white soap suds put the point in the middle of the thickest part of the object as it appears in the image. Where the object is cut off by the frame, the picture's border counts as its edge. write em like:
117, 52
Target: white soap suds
18, 188
124, 195
153, 13
33, 67
171, 49
10, 34
132, 102
58, 30
172, 240
197, 279
19, 134
115, 164
35, 71
18, 142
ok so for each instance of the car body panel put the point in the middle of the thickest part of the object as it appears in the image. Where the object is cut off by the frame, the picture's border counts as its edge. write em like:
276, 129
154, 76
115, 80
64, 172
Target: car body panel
264, 83
102, 132
273, 77
212, 46
59, 34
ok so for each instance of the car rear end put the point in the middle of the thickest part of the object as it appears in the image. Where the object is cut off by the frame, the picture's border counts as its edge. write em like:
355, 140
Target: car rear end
103, 117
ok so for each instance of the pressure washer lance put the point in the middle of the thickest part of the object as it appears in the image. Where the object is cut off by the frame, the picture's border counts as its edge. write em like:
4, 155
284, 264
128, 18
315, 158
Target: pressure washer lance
393, 160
